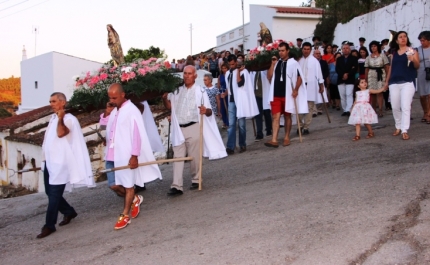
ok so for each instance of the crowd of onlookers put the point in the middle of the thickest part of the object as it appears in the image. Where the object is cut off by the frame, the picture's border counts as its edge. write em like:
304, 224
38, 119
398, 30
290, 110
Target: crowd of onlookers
377, 62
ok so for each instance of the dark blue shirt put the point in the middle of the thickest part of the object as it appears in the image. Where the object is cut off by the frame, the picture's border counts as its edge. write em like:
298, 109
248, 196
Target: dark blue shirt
400, 71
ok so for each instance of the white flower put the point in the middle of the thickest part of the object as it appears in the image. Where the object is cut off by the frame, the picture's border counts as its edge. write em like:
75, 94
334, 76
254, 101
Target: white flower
160, 60
75, 77
86, 86
126, 69
260, 48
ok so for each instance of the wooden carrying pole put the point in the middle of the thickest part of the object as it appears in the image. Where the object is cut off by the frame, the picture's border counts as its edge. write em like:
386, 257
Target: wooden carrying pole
148, 163
325, 108
201, 151
298, 120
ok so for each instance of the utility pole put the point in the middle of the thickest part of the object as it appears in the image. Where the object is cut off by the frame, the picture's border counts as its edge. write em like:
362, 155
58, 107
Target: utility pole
35, 30
243, 29
191, 39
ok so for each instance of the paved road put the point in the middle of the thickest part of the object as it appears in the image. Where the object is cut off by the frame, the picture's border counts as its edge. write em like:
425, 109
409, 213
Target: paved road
328, 200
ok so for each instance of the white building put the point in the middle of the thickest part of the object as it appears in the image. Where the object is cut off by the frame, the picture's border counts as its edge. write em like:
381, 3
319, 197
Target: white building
284, 22
48, 73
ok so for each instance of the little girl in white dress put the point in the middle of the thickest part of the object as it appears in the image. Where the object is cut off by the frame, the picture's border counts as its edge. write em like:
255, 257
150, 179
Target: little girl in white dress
362, 112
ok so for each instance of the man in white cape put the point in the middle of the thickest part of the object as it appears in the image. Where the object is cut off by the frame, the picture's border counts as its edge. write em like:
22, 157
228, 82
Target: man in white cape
314, 82
187, 104
66, 162
286, 88
241, 103
126, 144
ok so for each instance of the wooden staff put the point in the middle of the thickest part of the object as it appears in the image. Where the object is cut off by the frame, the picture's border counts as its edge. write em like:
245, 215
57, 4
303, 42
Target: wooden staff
298, 120
201, 150
148, 163
29, 170
325, 108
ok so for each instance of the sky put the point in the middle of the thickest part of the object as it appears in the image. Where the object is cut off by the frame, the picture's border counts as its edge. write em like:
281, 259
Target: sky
78, 27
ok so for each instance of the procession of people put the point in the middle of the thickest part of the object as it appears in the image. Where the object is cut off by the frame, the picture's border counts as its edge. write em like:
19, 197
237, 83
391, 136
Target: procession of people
291, 88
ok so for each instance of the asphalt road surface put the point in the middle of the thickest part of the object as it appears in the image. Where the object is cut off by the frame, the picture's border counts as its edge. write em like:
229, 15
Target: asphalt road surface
328, 200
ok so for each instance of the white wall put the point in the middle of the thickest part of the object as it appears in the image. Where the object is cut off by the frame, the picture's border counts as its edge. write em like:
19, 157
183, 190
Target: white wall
412, 16
53, 72
37, 69
225, 42
290, 28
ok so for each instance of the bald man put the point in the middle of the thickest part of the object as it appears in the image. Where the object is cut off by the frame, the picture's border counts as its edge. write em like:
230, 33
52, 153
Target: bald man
126, 144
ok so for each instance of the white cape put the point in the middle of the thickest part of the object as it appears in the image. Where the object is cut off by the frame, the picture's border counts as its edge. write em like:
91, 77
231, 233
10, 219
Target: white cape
213, 146
151, 129
67, 158
266, 87
129, 115
314, 78
302, 104
244, 96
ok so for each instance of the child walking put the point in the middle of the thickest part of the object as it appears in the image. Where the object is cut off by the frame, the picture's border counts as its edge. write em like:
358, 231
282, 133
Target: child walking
362, 112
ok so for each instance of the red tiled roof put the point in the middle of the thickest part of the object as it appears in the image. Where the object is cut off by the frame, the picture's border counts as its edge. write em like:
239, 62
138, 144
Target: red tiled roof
21, 119
299, 10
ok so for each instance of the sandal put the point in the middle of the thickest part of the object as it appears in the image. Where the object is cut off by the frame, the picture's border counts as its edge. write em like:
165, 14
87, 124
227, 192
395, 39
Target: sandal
396, 132
370, 135
380, 115
423, 120
405, 136
356, 138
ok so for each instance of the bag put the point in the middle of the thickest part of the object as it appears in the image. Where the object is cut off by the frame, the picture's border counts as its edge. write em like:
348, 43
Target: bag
426, 69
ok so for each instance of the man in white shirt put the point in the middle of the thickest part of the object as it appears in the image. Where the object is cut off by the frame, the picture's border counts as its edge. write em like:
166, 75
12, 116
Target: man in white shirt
313, 79
66, 162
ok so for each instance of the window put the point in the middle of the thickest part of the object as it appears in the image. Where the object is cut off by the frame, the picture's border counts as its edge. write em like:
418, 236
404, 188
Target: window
231, 35
223, 38
35, 84
241, 32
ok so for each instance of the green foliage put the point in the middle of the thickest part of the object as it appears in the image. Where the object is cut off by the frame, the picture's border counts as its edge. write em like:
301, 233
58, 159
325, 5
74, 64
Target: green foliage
4, 113
341, 11
134, 54
152, 52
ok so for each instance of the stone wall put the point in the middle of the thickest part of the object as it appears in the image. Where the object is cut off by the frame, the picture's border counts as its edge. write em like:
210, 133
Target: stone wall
412, 16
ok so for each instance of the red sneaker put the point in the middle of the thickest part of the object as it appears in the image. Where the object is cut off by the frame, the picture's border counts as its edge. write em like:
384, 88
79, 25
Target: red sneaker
122, 222
135, 206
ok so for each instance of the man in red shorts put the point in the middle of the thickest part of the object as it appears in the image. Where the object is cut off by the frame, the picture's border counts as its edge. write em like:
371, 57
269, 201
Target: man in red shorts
285, 87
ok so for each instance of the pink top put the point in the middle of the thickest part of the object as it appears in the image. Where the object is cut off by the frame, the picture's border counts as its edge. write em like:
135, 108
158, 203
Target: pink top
135, 151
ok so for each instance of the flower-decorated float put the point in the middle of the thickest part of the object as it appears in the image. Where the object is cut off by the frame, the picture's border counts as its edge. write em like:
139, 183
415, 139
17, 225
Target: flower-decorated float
260, 58
141, 80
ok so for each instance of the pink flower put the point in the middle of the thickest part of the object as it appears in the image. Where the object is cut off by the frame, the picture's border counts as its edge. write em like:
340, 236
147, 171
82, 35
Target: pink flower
268, 48
124, 77
141, 71
131, 75
103, 76
94, 80
167, 64
133, 65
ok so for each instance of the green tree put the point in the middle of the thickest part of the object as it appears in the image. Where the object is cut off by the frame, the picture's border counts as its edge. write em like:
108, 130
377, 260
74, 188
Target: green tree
134, 53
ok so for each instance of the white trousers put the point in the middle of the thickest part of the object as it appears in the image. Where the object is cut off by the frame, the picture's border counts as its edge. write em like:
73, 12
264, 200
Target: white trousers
346, 96
401, 100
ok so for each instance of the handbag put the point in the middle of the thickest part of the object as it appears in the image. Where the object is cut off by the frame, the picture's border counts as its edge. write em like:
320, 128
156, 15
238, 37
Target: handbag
426, 69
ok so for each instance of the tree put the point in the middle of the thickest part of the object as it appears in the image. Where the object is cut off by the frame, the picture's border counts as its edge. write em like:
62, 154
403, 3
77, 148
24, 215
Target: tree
134, 53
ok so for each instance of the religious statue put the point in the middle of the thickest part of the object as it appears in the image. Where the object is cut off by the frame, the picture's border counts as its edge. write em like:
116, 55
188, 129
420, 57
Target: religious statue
265, 35
115, 46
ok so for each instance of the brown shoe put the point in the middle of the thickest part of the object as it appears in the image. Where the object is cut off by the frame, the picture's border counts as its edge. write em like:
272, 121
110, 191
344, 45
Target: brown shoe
396, 132
67, 219
286, 142
45, 232
271, 144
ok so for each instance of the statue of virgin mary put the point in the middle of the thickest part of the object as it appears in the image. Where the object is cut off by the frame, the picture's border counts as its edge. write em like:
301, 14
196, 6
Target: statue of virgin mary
115, 46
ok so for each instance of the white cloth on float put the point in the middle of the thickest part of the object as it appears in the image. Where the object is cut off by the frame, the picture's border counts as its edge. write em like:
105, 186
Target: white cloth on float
151, 129
293, 68
67, 158
129, 115
213, 146
244, 97
311, 69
